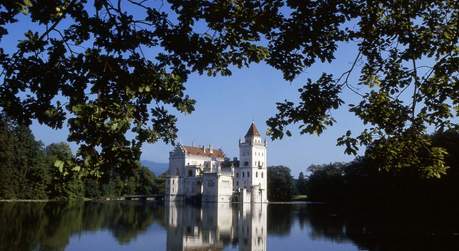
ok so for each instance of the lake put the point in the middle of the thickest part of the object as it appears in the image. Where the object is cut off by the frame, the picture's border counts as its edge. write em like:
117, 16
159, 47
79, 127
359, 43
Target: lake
137, 225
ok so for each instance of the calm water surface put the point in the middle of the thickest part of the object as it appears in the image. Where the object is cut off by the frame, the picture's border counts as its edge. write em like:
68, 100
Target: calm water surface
150, 226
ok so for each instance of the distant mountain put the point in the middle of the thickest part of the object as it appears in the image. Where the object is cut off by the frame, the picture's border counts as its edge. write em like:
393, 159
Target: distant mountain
156, 167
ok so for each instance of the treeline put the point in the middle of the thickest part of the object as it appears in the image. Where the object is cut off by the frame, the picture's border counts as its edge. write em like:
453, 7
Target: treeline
30, 170
363, 181
281, 186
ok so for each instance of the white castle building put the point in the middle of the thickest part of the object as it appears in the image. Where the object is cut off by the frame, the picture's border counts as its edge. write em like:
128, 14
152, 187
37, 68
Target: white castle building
205, 173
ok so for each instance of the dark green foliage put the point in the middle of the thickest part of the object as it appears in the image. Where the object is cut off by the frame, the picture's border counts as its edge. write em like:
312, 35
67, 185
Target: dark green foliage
95, 61
366, 182
321, 179
22, 163
301, 184
64, 184
107, 70
281, 186
92, 188
312, 112
141, 182
408, 56
29, 171
147, 182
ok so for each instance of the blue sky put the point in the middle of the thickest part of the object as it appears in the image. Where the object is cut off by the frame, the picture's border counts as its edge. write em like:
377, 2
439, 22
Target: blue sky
227, 105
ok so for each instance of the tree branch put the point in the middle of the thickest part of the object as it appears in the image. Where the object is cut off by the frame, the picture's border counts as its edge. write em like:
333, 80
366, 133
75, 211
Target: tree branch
348, 73
415, 91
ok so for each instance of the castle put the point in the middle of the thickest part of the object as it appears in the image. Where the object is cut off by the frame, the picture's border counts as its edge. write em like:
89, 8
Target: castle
204, 173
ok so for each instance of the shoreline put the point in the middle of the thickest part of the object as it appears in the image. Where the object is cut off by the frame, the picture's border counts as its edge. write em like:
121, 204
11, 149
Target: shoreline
120, 199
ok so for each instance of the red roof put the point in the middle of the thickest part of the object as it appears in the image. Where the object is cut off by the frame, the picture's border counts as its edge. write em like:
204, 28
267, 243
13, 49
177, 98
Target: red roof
203, 151
253, 131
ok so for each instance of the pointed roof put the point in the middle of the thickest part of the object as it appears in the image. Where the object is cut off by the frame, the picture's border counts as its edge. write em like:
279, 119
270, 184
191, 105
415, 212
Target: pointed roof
253, 131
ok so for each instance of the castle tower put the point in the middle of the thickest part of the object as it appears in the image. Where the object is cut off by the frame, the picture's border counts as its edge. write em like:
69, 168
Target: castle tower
251, 176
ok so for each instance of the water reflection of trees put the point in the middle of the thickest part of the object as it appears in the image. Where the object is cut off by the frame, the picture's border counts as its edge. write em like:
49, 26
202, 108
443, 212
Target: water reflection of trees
280, 219
398, 229
384, 229
49, 226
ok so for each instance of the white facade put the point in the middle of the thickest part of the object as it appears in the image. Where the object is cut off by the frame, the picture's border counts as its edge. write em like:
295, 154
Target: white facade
202, 172
252, 172
217, 187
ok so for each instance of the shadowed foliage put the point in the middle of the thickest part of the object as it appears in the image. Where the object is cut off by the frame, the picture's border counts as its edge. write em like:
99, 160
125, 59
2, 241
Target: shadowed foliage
106, 68
281, 185
364, 182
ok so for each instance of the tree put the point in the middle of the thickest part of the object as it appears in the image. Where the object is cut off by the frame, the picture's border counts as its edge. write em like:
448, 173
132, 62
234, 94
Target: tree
280, 183
148, 182
326, 182
65, 183
24, 173
408, 52
301, 184
109, 67
8, 184
360, 183
30, 164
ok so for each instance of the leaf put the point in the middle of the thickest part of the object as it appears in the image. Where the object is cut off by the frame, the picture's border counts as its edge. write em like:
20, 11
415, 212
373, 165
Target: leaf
60, 165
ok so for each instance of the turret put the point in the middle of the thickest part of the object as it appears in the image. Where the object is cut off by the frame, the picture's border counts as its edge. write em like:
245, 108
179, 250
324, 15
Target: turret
252, 173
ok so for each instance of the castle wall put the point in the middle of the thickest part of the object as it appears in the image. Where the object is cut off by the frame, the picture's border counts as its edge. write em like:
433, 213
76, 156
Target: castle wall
173, 188
217, 187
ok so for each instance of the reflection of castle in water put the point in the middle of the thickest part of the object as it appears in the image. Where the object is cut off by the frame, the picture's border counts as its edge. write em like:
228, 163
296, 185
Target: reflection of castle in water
214, 226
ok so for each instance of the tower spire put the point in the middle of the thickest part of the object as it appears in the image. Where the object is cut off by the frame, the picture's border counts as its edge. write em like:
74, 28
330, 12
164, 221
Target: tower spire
252, 132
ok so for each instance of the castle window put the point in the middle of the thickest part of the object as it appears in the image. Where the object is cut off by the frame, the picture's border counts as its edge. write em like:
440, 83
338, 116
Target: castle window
237, 183
256, 174
237, 175
248, 174
262, 174
246, 163
242, 174
190, 173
